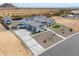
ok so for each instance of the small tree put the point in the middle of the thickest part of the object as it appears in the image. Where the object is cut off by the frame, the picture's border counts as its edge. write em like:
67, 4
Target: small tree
44, 41
1, 17
70, 30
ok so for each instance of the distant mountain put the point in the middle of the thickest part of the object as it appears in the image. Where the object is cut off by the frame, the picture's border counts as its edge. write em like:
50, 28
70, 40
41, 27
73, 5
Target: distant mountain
7, 5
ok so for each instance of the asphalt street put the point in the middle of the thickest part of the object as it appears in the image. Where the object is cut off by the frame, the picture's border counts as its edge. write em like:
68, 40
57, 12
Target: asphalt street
69, 47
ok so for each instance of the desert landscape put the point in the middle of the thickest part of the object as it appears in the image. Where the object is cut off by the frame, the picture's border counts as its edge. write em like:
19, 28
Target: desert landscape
28, 38
2, 28
11, 45
72, 23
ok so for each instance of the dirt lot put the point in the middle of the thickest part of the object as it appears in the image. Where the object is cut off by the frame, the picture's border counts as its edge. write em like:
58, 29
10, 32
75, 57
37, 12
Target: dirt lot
2, 28
72, 23
11, 45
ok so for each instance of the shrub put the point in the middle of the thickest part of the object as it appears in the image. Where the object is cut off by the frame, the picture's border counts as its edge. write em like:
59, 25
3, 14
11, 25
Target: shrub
56, 26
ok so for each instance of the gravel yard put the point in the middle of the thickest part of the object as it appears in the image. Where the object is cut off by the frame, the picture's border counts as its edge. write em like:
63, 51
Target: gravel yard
47, 39
63, 31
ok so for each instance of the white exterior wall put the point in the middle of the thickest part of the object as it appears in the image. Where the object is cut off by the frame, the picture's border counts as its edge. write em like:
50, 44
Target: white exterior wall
37, 29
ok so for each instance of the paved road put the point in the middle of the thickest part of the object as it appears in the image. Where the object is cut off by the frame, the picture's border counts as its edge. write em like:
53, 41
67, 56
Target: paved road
69, 47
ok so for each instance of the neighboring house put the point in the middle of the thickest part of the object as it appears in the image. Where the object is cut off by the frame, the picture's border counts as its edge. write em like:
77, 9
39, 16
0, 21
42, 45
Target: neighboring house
7, 20
9, 23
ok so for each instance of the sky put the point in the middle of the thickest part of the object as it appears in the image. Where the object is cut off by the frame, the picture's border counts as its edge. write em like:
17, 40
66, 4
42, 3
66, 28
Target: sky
46, 5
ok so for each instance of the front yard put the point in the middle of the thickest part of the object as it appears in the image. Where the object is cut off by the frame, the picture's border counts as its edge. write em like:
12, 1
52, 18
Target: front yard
62, 30
47, 38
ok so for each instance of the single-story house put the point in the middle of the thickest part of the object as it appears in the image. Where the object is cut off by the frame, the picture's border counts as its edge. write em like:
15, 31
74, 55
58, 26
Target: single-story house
9, 23
7, 20
33, 24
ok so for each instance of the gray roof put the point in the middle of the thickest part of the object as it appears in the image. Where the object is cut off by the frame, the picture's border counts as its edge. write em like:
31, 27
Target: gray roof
5, 18
25, 20
34, 23
42, 19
